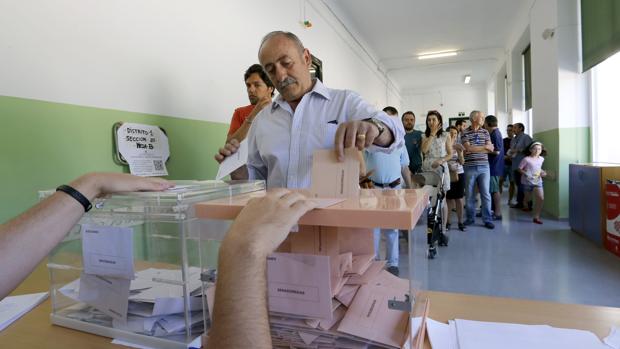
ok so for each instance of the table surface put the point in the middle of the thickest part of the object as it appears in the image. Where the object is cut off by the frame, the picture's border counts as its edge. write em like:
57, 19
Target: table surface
34, 330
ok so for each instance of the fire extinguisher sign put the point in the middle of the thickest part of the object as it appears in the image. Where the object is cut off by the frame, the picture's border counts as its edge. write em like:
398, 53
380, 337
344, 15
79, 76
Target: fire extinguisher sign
612, 237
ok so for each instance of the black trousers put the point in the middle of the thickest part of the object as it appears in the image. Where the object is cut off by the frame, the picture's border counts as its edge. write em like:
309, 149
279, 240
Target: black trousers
520, 193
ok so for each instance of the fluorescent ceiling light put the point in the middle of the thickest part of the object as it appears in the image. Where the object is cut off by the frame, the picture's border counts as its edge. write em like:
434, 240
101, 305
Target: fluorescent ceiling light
467, 78
437, 55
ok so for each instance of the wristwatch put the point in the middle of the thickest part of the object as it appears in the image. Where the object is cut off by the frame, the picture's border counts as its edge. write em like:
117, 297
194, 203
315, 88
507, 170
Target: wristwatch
377, 123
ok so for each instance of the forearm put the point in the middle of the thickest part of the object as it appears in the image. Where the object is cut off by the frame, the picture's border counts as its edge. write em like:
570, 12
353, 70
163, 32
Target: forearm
406, 176
240, 318
477, 149
385, 139
241, 133
28, 238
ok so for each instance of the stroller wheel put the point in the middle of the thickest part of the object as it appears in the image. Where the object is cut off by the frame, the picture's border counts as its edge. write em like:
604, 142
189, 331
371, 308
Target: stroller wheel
432, 252
443, 239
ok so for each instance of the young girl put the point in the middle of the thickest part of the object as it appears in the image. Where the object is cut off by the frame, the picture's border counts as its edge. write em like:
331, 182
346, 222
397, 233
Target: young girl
531, 179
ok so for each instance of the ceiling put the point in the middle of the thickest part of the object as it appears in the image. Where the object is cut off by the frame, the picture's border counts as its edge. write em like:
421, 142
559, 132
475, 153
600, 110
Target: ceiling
396, 31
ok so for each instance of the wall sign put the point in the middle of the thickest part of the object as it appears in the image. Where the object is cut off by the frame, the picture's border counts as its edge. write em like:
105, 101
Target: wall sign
144, 148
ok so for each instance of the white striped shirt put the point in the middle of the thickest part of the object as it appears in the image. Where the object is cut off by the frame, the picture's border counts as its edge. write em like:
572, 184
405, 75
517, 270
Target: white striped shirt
281, 142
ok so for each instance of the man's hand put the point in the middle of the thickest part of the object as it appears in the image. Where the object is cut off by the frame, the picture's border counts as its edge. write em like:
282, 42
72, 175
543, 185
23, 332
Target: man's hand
262, 103
229, 149
265, 222
96, 184
489, 146
359, 134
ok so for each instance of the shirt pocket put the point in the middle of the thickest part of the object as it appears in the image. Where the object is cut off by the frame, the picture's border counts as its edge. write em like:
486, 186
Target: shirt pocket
329, 135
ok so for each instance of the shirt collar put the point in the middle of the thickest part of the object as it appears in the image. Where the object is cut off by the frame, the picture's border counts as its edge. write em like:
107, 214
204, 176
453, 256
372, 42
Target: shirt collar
318, 89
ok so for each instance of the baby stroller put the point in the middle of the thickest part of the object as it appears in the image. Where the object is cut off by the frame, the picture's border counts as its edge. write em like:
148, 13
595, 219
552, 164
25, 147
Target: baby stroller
434, 228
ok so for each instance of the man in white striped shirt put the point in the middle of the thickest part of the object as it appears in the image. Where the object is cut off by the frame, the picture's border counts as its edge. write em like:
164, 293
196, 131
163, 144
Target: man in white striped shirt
307, 116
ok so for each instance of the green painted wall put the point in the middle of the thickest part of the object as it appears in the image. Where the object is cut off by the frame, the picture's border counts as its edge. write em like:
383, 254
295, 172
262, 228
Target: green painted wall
564, 146
45, 144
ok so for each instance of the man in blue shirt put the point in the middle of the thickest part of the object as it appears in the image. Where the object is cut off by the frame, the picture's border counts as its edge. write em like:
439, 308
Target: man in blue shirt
413, 141
496, 164
517, 145
387, 171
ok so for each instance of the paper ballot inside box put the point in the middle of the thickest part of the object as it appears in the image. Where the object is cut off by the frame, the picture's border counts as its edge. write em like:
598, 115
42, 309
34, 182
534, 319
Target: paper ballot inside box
299, 284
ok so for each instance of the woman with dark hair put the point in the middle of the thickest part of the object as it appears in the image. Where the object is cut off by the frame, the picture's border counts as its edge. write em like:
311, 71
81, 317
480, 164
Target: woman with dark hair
437, 150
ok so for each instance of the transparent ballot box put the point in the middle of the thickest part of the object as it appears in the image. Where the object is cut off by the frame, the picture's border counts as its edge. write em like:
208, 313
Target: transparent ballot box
325, 287
136, 266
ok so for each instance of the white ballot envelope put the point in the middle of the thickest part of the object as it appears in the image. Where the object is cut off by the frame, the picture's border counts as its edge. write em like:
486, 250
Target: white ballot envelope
109, 295
334, 179
299, 284
108, 251
234, 161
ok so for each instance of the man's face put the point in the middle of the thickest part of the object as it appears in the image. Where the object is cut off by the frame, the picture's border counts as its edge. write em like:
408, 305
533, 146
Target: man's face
510, 132
257, 89
477, 119
287, 67
408, 122
462, 127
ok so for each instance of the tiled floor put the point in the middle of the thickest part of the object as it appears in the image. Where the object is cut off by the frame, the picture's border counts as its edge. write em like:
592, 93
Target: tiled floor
518, 259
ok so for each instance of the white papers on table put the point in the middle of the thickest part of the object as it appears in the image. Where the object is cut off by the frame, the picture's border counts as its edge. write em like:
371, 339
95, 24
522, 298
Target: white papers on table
14, 307
109, 295
234, 161
296, 284
108, 251
468, 334
613, 339
440, 335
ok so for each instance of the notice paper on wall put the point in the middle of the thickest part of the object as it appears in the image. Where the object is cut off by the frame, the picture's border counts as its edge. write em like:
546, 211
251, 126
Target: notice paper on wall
144, 147
108, 251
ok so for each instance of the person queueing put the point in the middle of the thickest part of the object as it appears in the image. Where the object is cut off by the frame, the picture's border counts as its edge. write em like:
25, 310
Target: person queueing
454, 197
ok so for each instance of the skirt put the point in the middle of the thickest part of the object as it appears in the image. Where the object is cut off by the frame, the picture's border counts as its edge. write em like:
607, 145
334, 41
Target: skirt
457, 189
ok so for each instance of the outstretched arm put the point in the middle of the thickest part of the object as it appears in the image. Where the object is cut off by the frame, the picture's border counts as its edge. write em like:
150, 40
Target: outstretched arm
240, 315
43, 226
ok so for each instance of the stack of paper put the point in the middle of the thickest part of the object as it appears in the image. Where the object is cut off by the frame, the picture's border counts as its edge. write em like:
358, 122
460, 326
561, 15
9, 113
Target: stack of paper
305, 313
14, 307
468, 334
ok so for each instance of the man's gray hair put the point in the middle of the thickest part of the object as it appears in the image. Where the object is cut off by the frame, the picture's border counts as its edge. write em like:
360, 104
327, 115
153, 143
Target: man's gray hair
288, 35
473, 113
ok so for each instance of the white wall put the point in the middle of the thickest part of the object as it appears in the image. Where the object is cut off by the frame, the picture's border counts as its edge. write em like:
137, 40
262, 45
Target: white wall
179, 58
449, 101
544, 66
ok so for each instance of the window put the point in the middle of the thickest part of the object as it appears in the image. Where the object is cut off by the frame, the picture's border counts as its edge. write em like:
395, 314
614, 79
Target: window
605, 108
527, 78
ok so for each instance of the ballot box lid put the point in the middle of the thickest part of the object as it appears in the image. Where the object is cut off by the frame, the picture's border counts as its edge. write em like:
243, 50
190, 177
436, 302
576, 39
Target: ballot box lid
374, 208
174, 204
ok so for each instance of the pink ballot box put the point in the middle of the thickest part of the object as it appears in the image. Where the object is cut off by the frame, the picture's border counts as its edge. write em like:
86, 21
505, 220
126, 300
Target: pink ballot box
325, 287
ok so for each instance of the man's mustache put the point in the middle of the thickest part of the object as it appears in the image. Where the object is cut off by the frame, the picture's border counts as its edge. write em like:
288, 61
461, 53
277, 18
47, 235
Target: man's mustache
284, 83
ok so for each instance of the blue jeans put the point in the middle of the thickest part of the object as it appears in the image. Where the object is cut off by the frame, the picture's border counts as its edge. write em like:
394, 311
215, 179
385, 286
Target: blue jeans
391, 242
482, 176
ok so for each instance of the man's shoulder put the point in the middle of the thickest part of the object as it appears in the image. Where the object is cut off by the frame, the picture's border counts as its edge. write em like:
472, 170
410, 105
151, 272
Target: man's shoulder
245, 110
